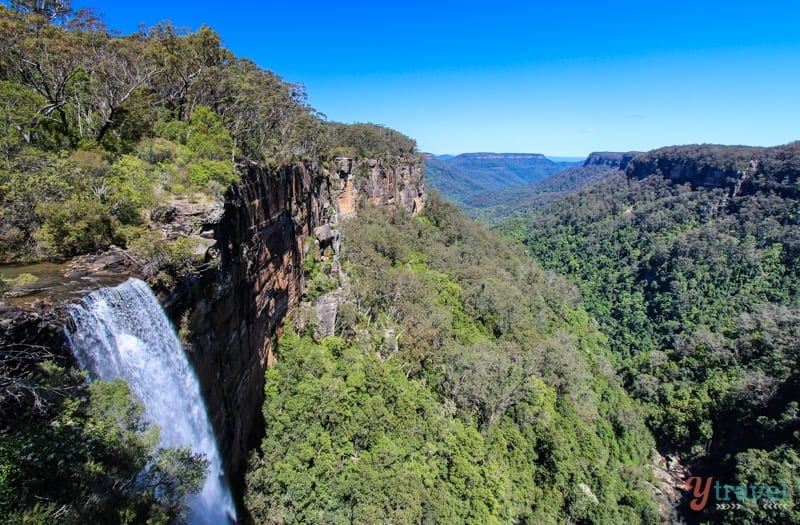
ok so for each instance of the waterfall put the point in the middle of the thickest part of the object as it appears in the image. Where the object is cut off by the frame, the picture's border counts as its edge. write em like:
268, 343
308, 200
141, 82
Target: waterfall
122, 332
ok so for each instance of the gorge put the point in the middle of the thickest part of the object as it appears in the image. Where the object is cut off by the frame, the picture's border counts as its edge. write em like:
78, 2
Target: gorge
233, 310
269, 317
230, 312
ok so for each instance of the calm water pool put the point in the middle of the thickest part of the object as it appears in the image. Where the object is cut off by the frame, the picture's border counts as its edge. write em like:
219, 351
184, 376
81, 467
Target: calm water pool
51, 283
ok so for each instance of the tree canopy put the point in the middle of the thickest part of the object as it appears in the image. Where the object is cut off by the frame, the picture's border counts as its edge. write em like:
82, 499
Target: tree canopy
690, 264
463, 385
97, 129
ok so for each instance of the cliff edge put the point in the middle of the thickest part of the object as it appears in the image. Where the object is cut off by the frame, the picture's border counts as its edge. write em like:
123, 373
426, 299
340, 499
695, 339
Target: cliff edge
229, 314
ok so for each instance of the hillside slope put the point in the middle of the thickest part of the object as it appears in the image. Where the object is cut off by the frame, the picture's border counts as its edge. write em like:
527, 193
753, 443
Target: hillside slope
490, 206
463, 385
690, 262
469, 174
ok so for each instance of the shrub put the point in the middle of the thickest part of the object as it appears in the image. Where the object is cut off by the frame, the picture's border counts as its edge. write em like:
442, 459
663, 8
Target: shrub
78, 225
131, 185
208, 137
204, 172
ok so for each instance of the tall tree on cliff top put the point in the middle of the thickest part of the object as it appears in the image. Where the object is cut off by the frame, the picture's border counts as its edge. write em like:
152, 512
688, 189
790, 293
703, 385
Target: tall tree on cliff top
54, 10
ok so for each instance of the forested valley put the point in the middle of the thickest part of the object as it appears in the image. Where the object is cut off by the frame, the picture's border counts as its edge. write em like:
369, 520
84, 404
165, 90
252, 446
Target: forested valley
689, 263
464, 385
522, 374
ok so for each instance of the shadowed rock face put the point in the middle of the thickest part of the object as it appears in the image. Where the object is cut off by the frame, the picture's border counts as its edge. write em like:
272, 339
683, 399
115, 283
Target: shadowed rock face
233, 312
741, 170
255, 242
27, 337
611, 159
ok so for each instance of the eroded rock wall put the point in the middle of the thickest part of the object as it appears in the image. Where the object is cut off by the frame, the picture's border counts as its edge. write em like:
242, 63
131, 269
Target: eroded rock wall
391, 182
740, 170
616, 160
231, 313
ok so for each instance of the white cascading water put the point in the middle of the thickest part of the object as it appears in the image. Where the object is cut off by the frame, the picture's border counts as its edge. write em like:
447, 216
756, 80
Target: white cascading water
122, 332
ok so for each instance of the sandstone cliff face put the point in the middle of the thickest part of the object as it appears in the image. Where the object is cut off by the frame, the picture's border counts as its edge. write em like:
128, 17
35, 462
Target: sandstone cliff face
740, 170
392, 182
233, 311
611, 159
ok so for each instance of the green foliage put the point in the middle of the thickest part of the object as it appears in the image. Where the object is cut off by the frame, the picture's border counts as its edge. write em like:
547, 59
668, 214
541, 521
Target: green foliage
128, 189
30, 179
176, 258
460, 395
317, 271
18, 117
207, 136
159, 111
73, 227
350, 439
368, 141
174, 130
203, 172
182, 254
211, 149
690, 264
91, 458
138, 118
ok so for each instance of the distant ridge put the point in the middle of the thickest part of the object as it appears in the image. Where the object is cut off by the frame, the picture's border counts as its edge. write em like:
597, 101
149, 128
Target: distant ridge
617, 160
557, 159
494, 156
466, 175
598, 166
491, 206
741, 170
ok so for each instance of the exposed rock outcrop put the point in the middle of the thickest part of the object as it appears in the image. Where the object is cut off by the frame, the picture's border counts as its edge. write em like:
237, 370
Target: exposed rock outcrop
230, 314
114, 261
740, 170
392, 182
616, 160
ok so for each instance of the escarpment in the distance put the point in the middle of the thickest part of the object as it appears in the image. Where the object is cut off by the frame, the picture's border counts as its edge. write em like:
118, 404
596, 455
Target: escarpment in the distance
230, 313
494, 205
612, 159
470, 175
741, 170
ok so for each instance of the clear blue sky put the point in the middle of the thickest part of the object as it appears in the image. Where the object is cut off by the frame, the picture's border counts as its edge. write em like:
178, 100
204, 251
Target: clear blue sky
560, 78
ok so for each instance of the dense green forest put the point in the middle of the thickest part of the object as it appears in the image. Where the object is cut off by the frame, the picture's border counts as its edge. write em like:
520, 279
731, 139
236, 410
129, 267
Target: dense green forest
483, 176
97, 129
690, 264
463, 385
